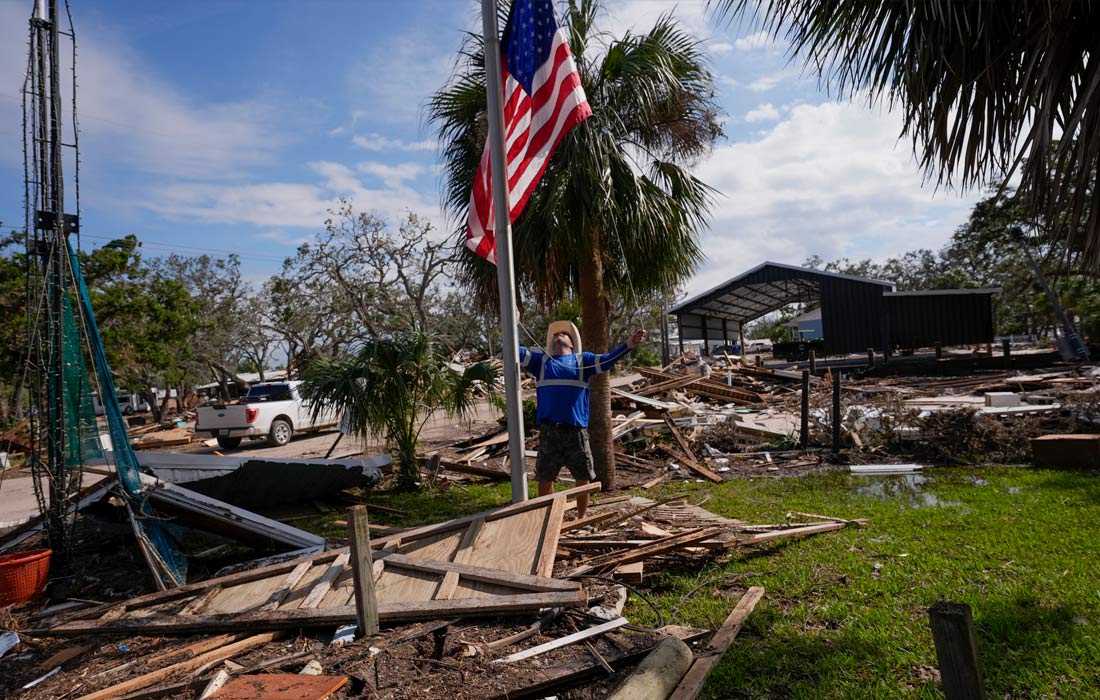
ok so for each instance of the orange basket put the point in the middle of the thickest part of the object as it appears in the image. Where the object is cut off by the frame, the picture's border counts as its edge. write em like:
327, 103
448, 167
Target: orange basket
23, 575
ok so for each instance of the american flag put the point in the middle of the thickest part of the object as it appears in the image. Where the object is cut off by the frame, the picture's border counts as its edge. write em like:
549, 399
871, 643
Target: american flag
543, 100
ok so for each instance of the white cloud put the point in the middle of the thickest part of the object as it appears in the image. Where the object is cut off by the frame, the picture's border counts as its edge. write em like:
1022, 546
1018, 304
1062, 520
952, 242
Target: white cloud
378, 142
641, 15
282, 237
391, 175
766, 82
831, 179
755, 41
395, 79
720, 47
280, 205
764, 113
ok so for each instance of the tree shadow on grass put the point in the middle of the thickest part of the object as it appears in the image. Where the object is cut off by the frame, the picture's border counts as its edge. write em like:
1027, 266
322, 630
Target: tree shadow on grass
1021, 638
767, 664
1079, 481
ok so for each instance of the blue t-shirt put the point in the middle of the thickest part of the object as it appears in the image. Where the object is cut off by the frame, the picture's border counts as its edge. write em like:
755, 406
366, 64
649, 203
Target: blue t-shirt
562, 385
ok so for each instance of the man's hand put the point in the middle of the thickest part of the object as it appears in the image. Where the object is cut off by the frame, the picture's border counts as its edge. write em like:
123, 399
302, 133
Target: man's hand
636, 339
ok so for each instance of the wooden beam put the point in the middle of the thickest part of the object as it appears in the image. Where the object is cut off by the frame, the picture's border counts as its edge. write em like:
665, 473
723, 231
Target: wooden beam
291, 580
148, 679
957, 651
793, 532
564, 641
691, 464
548, 547
366, 604
644, 552
326, 617
692, 682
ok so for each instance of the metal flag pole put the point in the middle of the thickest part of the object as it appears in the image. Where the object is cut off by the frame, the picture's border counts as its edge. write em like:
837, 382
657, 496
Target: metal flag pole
502, 230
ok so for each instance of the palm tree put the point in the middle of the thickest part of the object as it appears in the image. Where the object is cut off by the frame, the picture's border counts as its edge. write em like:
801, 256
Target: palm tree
986, 88
617, 210
392, 386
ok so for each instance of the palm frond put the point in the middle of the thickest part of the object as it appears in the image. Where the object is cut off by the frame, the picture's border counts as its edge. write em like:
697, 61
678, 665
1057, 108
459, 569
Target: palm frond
986, 89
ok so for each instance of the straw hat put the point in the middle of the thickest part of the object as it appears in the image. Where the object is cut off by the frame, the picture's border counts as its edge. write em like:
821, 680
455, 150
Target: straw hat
564, 327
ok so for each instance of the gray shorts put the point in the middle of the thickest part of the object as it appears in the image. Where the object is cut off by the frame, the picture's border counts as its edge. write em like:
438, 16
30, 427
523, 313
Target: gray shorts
563, 446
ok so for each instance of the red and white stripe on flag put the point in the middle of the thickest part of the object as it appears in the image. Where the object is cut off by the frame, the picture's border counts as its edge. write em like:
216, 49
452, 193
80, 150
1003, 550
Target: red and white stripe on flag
534, 124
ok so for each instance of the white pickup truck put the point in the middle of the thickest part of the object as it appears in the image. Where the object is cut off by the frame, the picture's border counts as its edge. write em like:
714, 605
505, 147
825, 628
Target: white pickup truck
274, 411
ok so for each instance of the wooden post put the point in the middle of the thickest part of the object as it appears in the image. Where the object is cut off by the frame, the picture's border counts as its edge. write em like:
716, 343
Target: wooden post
1006, 345
939, 350
836, 413
366, 605
957, 651
804, 439
870, 358
813, 361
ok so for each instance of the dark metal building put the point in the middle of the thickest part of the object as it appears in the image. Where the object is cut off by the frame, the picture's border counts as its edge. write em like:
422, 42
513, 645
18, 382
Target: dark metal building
857, 313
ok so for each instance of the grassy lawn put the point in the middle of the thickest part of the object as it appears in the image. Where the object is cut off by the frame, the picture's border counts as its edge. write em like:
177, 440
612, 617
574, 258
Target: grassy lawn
845, 614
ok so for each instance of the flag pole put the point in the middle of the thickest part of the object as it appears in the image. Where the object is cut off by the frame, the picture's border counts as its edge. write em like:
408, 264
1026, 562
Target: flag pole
502, 230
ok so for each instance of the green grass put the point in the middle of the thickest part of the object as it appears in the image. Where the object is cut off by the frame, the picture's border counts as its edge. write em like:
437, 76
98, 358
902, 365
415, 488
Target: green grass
845, 613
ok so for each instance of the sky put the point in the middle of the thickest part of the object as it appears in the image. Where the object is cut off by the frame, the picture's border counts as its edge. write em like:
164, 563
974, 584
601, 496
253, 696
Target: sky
224, 126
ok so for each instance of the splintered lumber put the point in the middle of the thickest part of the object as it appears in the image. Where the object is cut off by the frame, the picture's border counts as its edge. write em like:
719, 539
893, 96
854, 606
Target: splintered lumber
475, 470
148, 679
686, 447
709, 387
562, 676
654, 548
565, 641
795, 532
691, 464
587, 520
658, 673
692, 683
668, 385
405, 593
630, 514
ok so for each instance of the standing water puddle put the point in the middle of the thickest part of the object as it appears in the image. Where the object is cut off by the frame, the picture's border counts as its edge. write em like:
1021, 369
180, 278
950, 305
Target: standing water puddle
909, 487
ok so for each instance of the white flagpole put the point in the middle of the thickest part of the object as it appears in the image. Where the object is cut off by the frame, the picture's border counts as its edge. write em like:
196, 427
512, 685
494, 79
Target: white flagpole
502, 228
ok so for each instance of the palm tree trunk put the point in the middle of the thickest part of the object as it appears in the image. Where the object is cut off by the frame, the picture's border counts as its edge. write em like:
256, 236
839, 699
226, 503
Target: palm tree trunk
594, 329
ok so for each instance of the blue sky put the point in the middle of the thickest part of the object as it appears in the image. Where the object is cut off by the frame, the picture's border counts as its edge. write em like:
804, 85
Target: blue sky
233, 125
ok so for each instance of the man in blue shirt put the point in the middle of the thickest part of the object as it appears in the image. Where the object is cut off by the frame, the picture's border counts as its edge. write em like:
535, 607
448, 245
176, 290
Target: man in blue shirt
561, 377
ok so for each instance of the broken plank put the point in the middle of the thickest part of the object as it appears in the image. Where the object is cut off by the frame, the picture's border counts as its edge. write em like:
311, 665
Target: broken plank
291, 580
565, 675
325, 583
326, 617
793, 532
692, 682
644, 552
588, 520
564, 641
475, 470
148, 679
548, 547
630, 573
691, 464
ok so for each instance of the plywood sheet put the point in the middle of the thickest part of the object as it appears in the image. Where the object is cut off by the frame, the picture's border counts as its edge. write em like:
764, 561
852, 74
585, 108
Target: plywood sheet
300, 591
281, 686
510, 544
402, 586
245, 596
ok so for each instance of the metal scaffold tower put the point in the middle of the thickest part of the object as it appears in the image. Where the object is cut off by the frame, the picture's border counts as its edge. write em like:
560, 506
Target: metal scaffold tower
63, 424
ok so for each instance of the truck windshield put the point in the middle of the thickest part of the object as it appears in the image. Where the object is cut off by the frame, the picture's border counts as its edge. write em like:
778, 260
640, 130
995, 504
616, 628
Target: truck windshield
268, 392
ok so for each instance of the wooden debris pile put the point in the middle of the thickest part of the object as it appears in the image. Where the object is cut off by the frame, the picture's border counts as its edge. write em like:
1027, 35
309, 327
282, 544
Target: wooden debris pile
514, 602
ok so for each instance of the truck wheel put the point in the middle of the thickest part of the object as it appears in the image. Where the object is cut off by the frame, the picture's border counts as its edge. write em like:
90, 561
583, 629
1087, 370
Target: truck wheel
281, 432
229, 443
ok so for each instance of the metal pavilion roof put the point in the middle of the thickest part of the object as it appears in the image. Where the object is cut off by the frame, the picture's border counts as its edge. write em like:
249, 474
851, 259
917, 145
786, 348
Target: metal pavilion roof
765, 288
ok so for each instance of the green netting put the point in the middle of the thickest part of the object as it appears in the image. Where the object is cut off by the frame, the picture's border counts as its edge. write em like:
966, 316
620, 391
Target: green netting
81, 433
158, 533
